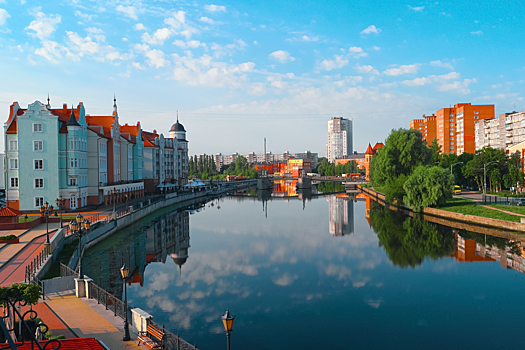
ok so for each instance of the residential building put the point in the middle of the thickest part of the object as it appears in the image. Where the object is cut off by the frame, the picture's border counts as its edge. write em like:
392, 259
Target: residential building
340, 142
505, 132
253, 158
454, 127
359, 158
369, 154
88, 160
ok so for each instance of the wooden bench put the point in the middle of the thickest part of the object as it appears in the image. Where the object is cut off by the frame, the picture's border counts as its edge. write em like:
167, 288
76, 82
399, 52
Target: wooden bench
152, 338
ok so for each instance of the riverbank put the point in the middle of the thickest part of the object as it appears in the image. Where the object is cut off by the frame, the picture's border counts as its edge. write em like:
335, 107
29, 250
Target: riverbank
453, 218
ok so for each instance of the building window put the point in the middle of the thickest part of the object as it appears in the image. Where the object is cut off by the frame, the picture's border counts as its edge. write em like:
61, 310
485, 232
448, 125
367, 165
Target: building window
72, 181
14, 182
37, 127
13, 163
13, 145
37, 146
39, 202
476, 117
39, 164
476, 112
39, 183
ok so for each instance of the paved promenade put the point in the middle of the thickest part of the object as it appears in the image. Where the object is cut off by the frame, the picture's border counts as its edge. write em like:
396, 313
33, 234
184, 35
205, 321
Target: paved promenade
15, 257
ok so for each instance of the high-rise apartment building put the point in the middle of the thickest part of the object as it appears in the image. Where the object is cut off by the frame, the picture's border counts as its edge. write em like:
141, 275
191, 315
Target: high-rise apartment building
504, 132
340, 141
454, 127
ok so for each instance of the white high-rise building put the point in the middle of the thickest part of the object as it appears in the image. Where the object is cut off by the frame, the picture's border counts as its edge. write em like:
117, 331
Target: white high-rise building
340, 142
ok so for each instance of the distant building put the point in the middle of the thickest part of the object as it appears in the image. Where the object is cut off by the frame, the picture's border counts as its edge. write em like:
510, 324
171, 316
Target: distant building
454, 128
294, 167
505, 132
340, 141
359, 158
269, 157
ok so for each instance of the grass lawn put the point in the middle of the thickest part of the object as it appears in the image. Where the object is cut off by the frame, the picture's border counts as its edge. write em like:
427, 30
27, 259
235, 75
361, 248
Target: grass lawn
513, 208
30, 218
467, 207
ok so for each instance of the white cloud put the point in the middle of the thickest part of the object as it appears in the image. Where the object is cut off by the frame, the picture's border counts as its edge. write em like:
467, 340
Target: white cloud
438, 63
257, 89
43, 26
405, 69
417, 9
158, 37
129, 11
179, 25
3, 16
137, 65
192, 44
78, 47
83, 16
156, 58
50, 50
417, 82
139, 26
366, 69
337, 62
207, 20
357, 52
477, 32
282, 56
229, 49
371, 29
376, 48
459, 86
309, 38
203, 71
215, 8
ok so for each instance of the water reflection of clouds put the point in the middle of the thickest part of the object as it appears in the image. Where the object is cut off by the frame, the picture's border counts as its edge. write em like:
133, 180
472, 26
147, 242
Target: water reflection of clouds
255, 246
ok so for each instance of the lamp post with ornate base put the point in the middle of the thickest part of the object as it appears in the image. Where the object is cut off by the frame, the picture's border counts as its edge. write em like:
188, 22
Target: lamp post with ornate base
80, 227
124, 271
47, 210
227, 320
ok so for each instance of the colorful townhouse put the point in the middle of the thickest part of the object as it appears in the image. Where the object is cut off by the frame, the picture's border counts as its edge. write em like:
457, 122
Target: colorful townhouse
88, 160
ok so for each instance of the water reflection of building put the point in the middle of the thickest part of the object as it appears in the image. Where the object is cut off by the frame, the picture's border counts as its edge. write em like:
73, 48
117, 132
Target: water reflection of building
341, 215
509, 258
284, 188
170, 235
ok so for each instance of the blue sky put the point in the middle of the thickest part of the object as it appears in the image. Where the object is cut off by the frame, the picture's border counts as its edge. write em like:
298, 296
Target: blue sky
239, 71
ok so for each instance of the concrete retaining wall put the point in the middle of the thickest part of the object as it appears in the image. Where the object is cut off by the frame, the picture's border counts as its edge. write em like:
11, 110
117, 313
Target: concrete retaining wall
59, 284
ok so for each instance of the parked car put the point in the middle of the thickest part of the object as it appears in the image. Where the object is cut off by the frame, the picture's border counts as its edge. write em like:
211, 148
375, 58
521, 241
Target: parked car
456, 190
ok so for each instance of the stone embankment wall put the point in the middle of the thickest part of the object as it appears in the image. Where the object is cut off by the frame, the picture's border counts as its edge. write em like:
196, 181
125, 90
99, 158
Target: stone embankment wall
134, 214
470, 222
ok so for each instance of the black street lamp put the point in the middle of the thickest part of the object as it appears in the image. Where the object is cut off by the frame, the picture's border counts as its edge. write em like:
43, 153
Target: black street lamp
46, 210
80, 228
60, 204
227, 320
124, 271
114, 193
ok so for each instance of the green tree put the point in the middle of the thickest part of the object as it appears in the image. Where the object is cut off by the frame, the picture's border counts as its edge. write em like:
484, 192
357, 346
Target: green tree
427, 187
403, 151
435, 148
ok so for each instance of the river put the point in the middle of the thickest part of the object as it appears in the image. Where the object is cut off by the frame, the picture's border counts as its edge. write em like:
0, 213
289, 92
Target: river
331, 272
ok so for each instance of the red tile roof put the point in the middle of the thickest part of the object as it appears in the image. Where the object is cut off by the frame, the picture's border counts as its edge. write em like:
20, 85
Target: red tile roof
6, 211
369, 150
67, 344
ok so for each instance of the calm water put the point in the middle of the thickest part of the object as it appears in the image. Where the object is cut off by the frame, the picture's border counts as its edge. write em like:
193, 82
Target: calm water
317, 275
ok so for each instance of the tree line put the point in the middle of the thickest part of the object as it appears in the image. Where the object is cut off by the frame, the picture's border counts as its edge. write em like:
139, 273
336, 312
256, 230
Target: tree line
405, 169
325, 168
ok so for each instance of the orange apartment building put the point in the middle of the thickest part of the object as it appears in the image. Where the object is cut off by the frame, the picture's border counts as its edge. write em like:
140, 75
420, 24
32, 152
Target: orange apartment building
294, 167
453, 127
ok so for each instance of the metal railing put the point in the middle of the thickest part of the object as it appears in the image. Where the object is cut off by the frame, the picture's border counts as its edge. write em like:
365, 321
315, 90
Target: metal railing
66, 271
35, 265
91, 218
110, 301
172, 341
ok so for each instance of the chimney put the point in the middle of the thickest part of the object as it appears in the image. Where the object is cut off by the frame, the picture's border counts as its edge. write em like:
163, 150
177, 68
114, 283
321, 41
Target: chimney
64, 108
